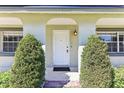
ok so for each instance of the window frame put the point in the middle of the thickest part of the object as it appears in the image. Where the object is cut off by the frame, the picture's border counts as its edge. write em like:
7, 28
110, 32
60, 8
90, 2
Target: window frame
2, 33
118, 33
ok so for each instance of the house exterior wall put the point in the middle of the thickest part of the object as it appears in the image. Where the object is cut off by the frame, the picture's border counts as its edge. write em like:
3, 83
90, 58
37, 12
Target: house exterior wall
35, 23
6, 62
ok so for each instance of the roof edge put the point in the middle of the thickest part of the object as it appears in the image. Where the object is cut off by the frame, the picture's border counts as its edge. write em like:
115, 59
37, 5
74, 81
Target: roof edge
61, 6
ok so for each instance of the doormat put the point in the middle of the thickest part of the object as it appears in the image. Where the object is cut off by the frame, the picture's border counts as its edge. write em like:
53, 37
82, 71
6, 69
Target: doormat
61, 69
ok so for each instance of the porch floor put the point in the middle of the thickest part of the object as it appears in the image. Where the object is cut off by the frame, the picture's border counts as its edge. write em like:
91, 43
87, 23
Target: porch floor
61, 75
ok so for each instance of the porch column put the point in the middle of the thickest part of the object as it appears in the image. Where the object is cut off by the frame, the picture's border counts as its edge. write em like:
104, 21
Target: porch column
86, 29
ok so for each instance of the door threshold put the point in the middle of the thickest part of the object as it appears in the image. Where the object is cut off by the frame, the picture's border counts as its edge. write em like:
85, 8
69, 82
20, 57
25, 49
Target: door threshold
61, 68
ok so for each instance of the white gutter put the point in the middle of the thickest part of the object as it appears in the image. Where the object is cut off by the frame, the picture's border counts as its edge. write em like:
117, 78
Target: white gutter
62, 12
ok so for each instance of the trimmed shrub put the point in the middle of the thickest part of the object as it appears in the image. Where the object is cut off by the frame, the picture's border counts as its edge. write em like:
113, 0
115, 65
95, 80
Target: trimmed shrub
96, 70
4, 79
28, 70
119, 77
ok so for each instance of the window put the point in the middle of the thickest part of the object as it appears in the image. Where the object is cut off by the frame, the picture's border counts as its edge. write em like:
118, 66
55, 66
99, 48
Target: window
10, 41
114, 40
121, 42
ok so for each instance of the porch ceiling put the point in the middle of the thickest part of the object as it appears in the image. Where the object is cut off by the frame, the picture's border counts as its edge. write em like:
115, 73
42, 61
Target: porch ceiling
10, 22
110, 22
61, 21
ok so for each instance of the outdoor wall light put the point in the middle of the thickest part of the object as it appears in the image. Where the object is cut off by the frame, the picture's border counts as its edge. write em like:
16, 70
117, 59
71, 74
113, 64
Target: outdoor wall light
75, 33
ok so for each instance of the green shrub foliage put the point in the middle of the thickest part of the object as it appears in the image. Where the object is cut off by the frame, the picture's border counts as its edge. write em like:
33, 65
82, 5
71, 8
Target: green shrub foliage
96, 70
119, 77
4, 79
28, 70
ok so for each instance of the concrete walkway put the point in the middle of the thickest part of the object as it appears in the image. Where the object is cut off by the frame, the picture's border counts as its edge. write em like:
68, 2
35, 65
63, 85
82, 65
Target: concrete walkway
62, 84
61, 79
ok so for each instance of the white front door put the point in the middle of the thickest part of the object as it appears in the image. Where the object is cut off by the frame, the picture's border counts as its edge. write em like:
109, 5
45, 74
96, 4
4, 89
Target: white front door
61, 53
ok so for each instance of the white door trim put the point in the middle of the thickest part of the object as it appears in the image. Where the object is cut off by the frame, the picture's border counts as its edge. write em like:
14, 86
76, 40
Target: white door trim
67, 44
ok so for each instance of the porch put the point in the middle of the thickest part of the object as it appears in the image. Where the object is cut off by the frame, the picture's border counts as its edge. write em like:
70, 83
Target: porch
61, 47
51, 75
